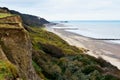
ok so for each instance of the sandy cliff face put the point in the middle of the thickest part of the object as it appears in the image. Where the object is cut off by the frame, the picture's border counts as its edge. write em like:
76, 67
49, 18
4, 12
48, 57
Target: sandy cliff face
11, 19
15, 46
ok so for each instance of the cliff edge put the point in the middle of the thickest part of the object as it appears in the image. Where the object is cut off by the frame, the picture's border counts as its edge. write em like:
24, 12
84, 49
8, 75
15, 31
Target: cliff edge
29, 20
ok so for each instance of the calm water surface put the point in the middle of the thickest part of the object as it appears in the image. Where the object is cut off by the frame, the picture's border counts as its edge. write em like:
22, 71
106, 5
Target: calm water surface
96, 29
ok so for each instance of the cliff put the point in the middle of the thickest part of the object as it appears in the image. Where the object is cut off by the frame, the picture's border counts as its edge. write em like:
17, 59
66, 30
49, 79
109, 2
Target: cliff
15, 46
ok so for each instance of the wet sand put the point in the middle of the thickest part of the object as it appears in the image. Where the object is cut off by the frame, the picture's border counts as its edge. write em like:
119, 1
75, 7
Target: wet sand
97, 48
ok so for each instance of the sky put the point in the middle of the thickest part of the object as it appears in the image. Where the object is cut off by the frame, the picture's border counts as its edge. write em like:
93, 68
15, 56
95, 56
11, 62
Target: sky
67, 9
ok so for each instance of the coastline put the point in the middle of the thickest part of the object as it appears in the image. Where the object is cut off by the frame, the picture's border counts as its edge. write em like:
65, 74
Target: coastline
97, 48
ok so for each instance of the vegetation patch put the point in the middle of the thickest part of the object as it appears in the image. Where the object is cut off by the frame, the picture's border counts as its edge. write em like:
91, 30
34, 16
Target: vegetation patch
7, 71
2, 15
60, 61
39, 35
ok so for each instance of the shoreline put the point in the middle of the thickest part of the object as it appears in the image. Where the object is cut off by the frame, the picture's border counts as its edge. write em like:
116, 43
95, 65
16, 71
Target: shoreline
97, 48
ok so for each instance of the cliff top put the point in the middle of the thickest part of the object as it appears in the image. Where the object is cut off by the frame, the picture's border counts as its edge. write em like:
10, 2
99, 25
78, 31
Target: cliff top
2, 15
9, 21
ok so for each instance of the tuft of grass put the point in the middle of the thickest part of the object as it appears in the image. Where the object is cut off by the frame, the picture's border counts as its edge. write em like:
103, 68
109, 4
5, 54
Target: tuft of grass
37, 68
2, 15
7, 70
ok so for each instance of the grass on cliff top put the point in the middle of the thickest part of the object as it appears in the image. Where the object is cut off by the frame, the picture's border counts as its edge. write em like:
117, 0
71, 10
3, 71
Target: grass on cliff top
2, 15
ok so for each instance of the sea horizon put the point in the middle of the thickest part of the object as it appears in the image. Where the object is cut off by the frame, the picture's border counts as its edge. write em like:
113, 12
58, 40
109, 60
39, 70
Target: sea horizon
85, 20
98, 29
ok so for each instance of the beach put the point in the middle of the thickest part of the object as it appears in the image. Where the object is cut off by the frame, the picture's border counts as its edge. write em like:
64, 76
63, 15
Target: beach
97, 48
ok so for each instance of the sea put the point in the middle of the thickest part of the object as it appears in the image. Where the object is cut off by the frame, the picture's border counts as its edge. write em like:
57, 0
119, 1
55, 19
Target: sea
94, 29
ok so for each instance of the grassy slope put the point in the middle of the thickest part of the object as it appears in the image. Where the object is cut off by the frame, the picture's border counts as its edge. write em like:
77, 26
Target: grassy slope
44, 37
73, 65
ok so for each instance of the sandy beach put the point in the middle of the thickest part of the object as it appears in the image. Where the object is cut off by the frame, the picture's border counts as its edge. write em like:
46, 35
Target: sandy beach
97, 48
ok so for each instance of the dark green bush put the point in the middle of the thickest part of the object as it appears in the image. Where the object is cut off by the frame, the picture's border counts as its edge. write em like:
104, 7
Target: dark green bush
52, 50
91, 68
109, 77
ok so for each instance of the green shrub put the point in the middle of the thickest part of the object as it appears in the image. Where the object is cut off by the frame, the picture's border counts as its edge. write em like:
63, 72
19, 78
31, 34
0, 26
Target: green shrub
95, 75
7, 70
91, 68
109, 77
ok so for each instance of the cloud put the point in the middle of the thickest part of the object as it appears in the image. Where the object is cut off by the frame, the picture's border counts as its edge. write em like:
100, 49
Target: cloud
67, 9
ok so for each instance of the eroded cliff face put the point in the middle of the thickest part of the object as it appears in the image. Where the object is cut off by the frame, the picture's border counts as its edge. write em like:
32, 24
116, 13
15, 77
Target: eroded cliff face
11, 19
15, 46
